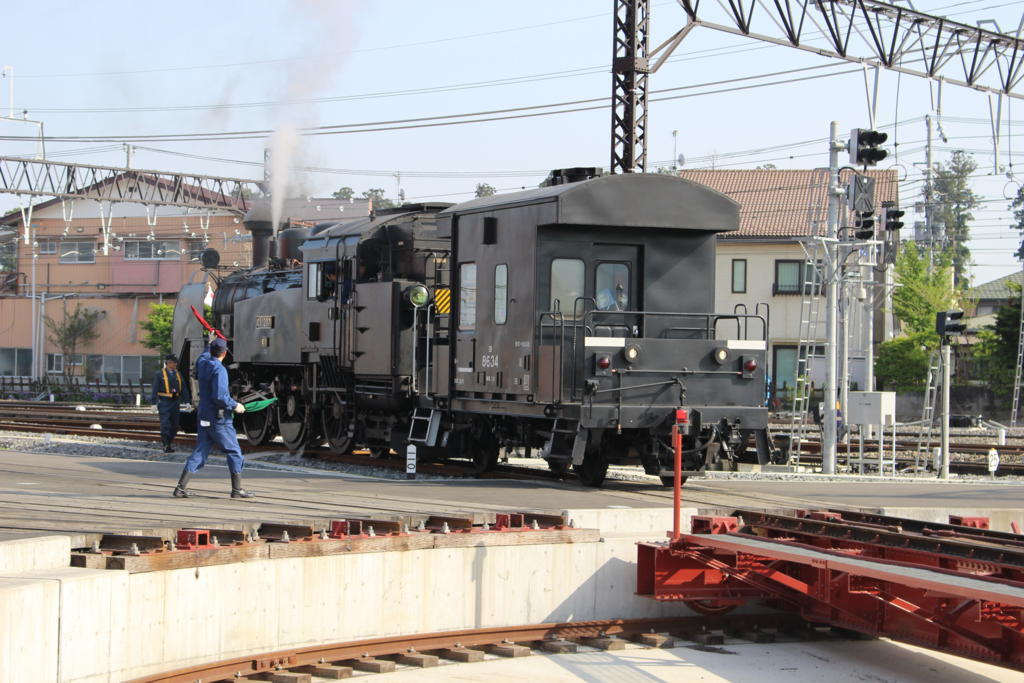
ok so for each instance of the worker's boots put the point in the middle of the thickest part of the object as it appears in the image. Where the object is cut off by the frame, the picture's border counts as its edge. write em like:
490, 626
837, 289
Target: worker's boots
180, 491
168, 447
236, 487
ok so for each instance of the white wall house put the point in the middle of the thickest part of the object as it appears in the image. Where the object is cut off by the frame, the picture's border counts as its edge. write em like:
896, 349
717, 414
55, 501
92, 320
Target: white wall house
758, 268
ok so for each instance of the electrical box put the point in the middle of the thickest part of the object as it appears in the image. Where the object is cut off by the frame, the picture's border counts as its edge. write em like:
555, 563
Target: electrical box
871, 408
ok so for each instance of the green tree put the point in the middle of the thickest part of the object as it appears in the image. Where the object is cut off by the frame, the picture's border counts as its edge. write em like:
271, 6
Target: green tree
902, 364
1018, 215
766, 167
485, 190
344, 193
73, 332
159, 327
922, 291
955, 200
377, 198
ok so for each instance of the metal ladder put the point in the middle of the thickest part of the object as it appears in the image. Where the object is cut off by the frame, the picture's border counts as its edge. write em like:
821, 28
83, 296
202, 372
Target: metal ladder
810, 314
927, 433
424, 425
1020, 362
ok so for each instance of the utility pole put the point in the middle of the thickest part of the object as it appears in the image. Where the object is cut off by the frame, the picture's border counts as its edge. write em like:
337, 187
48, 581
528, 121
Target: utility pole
828, 431
129, 151
928, 193
8, 73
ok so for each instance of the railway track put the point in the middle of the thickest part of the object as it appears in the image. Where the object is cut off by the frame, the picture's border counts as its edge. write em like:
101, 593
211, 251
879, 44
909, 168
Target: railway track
139, 424
385, 655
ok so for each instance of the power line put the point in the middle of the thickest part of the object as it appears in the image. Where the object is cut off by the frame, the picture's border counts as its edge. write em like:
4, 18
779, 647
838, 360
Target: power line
451, 119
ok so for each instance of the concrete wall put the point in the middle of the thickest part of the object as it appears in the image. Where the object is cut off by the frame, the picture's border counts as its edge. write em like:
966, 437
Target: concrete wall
962, 400
64, 624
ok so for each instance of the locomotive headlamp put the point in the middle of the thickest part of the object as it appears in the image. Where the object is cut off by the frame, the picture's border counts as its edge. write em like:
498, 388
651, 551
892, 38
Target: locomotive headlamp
417, 295
721, 354
631, 352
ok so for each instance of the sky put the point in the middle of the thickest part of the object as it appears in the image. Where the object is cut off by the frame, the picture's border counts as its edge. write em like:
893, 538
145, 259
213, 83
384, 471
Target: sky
118, 69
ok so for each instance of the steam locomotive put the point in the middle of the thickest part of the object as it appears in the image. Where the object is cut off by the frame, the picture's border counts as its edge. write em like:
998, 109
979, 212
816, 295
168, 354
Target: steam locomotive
574, 319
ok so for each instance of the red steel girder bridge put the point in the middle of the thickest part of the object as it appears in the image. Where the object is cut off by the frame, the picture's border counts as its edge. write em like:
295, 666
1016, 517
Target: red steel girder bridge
956, 588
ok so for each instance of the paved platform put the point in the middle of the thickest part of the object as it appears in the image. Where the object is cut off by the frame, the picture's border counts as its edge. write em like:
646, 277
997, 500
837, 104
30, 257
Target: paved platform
42, 494
848, 661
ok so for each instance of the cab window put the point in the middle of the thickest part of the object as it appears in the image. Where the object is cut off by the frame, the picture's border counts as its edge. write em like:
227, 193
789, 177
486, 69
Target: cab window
313, 284
500, 293
467, 297
611, 287
566, 284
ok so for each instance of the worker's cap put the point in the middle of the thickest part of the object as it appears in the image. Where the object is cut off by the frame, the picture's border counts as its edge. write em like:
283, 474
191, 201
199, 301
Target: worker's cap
171, 357
218, 346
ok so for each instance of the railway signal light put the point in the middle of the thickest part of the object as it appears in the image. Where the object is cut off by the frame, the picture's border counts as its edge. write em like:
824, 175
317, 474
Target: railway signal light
864, 228
892, 219
947, 323
864, 146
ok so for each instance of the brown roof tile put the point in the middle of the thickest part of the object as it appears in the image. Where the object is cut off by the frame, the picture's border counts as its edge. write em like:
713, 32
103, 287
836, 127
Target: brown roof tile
783, 203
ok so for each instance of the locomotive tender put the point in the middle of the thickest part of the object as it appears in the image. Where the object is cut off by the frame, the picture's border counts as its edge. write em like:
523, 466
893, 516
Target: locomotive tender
575, 319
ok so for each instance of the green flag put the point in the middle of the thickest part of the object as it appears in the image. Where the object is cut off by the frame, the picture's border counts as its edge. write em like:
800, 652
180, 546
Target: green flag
254, 406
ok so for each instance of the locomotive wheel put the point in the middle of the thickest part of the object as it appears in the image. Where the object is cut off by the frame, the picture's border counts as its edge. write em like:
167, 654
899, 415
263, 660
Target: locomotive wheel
559, 467
485, 456
593, 469
670, 481
335, 419
293, 423
259, 427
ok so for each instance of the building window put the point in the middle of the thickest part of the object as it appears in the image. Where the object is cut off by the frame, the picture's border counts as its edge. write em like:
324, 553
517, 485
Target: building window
149, 250
77, 251
15, 362
47, 246
195, 250
566, 285
611, 287
788, 280
500, 294
739, 276
467, 297
55, 363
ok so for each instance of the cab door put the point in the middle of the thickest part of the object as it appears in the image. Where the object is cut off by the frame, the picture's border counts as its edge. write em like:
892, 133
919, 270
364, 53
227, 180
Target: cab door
614, 286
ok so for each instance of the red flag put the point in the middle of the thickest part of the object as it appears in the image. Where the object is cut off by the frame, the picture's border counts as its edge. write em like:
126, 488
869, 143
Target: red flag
208, 326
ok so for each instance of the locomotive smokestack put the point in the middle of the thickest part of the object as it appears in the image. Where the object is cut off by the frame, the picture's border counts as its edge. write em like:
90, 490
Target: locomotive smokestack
259, 223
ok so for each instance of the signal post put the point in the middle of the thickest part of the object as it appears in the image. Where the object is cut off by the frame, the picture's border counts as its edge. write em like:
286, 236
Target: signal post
946, 323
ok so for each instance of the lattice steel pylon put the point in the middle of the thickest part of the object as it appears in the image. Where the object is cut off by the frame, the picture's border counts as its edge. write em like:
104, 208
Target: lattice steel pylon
629, 86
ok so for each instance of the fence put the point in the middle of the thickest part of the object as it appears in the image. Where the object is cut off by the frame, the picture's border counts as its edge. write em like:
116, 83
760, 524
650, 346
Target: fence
73, 389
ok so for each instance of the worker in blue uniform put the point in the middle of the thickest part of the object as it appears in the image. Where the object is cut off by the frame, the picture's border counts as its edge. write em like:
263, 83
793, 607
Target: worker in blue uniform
215, 427
169, 392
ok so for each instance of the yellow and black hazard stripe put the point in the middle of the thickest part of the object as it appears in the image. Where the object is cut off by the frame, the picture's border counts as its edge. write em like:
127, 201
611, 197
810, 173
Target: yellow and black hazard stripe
443, 301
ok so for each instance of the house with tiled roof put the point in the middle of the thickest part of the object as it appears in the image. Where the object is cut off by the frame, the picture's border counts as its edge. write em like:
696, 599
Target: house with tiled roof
983, 302
151, 255
759, 267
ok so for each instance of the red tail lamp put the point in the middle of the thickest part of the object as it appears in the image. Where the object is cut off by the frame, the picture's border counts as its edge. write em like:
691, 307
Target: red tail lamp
604, 362
750, 365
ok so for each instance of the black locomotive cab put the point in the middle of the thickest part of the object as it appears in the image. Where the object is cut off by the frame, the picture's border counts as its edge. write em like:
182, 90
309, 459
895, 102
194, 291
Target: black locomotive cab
584, 319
